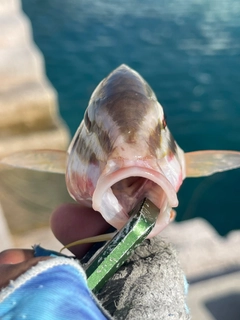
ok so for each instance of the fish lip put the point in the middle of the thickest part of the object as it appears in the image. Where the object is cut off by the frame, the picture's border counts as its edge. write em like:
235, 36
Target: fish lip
112, 212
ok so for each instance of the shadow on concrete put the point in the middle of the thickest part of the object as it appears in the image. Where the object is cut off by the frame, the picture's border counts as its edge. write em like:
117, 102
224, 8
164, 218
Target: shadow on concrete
225, 307
219, 273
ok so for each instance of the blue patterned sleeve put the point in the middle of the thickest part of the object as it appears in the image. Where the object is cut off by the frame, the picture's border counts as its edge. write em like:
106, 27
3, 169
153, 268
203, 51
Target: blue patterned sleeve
55, 289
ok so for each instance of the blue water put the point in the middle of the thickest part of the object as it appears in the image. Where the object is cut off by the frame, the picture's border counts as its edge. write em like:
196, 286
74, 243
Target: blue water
188, 51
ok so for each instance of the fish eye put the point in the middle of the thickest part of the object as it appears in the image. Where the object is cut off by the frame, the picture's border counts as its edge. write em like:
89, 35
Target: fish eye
87, 121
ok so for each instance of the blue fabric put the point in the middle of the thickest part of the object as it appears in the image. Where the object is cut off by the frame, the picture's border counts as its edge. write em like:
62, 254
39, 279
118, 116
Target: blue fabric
42, 252
55, 289
186, 293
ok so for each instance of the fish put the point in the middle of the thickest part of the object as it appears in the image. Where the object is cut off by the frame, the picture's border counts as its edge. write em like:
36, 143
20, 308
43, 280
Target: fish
123, 152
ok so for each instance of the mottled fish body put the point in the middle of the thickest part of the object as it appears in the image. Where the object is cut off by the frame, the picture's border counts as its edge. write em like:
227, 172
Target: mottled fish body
123, 151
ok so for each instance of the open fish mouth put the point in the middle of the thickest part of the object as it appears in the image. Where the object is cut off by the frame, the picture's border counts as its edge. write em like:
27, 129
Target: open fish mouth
118, 192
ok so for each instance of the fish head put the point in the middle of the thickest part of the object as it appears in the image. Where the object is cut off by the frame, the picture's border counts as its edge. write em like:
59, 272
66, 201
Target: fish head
123, 152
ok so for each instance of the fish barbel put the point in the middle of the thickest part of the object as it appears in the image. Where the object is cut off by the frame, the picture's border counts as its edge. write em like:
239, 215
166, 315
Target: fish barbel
123, 152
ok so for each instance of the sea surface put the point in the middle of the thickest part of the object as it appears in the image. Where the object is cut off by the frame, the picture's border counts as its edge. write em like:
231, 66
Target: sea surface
188, 51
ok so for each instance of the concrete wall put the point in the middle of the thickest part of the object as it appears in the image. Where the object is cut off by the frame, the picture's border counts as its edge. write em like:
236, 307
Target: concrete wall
29, 119
29, 115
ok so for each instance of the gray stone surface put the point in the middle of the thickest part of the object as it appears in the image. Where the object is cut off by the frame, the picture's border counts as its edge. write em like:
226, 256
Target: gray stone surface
212, 266
201, 249
216, 298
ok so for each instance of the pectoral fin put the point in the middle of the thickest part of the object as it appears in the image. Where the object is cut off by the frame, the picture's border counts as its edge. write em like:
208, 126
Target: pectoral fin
38, 160
205, 163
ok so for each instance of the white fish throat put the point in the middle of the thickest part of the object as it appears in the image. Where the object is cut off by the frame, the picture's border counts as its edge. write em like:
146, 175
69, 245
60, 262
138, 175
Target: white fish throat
123, 152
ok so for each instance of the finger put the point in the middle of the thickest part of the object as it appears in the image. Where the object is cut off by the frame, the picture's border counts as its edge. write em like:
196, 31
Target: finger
13, 256
10, 272
71, 222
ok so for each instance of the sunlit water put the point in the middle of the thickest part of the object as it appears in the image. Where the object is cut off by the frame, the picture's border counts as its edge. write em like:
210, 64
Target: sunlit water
188, 51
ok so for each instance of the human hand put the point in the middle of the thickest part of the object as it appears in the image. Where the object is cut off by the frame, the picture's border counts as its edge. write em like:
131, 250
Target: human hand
69, 222
137, 290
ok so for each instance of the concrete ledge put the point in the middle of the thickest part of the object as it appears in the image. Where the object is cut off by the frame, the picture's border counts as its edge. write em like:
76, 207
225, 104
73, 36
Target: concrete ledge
28, 102
28, 107
15, 30
29, 119
212, 266
9, 6
19, 65
201, 249
216, 299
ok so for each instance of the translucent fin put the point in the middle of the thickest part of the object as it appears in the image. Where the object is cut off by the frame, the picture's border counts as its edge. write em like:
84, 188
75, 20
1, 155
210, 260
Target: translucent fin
38, 160
29, 196
205, 163
100, 238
